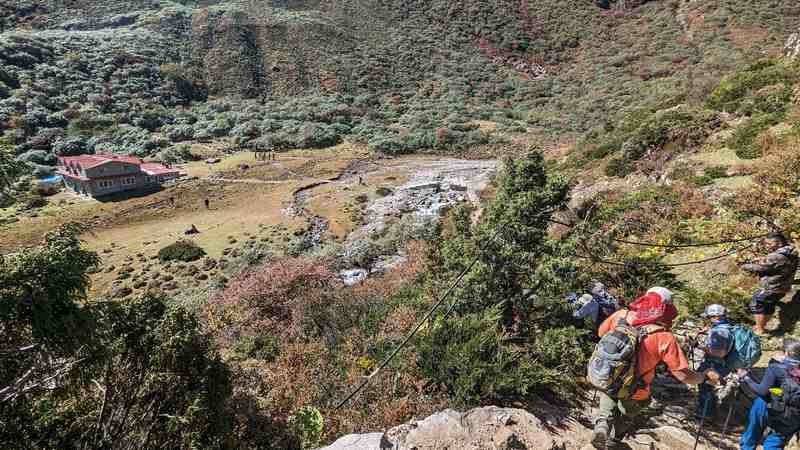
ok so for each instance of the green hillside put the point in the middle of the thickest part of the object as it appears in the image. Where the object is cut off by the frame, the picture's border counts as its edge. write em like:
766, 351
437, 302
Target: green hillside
657, 127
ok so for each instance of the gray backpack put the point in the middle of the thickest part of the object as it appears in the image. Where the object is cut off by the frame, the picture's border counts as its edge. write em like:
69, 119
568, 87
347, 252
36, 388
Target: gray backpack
612, 367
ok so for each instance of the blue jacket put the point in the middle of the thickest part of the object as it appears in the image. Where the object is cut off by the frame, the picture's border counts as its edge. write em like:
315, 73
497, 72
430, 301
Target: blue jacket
773, 377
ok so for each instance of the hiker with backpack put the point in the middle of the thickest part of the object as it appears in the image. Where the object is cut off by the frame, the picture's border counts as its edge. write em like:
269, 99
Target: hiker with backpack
776, 272
728, 347
597, 304
634, 341
777, 405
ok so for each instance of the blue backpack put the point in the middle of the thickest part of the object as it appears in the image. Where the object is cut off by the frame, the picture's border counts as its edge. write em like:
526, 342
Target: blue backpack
746, 349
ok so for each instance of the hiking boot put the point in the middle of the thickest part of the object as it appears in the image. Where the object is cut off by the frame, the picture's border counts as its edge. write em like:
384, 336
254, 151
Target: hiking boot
600, 435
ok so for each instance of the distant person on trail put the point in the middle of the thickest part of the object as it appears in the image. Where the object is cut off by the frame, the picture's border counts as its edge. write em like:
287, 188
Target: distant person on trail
597, 304
777, 406
207, 202
633, 342
776, 272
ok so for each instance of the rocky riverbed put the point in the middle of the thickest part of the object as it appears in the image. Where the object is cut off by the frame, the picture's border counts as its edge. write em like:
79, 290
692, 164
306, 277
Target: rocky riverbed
433, 187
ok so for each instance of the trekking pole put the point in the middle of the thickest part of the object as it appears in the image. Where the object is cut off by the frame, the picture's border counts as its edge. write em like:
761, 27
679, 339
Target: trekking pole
702, 422
730, 412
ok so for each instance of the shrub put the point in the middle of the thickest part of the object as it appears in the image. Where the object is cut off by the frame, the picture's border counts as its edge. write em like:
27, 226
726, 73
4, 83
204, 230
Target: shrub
619, 167
477, 363
263, 347
383, 191
152, 119
694, 301
744, 141
37, 157
220, 126
734, 90
189, 82
388, 145
177, 154
247, 130
182, 250
318, 136
177, 133
70, 146
709, 175
684, 128
307, 424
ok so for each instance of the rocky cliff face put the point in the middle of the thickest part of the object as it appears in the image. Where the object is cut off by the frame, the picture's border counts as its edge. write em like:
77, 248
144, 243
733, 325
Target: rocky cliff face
508, 429
274, 52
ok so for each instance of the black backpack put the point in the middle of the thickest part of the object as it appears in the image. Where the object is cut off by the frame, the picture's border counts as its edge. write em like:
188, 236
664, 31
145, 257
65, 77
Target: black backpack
784, 408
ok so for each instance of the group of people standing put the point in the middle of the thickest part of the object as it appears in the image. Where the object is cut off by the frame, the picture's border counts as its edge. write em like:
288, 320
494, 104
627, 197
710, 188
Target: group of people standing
635, 340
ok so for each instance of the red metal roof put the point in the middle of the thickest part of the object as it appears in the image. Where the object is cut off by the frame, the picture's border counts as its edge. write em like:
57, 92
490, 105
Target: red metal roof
89, 161
67, 174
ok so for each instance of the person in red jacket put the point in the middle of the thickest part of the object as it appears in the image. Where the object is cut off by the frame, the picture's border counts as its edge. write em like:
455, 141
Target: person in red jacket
653, 313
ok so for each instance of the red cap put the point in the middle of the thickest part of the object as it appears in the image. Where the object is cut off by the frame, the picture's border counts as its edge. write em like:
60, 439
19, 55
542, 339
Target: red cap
651, 308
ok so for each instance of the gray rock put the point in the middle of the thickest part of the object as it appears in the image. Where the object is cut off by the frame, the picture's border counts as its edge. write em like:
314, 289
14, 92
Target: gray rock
477, 429
121, 292
371, 441
792, 48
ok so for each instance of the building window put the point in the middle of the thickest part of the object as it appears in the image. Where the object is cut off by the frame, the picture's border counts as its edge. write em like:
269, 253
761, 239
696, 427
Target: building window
129, 181
105, 184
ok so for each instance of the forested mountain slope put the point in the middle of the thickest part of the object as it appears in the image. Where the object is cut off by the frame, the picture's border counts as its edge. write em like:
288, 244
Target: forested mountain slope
664, 122
401, 77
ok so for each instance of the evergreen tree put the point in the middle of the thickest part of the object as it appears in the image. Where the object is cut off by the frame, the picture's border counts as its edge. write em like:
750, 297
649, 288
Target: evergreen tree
104, 375
508, 335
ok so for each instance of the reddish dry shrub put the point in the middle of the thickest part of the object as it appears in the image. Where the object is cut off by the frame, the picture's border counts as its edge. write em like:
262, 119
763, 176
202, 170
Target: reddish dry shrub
773, 197
272, 297
323, 349
693, 203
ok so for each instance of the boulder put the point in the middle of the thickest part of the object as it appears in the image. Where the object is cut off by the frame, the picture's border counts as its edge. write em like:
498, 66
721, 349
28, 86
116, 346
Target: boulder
516, 429
792, 48
121, 291
371, 441
480, 428
209, 263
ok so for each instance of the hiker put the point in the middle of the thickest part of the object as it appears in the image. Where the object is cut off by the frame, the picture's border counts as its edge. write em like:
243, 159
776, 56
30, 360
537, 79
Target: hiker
633, 342
776, 272
207, 202
727, 348
772, 409
718, 344
597, 304
172, 201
